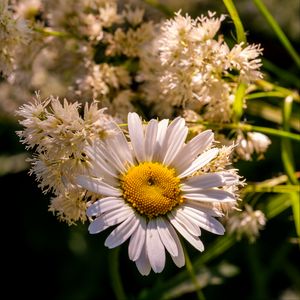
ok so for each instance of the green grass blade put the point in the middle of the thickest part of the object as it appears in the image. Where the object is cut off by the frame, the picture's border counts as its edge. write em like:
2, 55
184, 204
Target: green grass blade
278, 31
240, 32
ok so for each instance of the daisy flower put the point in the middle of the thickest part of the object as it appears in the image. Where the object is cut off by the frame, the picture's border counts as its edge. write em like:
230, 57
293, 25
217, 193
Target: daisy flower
152, 188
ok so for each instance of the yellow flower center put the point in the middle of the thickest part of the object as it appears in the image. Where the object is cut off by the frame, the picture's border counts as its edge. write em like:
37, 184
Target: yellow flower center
151, 188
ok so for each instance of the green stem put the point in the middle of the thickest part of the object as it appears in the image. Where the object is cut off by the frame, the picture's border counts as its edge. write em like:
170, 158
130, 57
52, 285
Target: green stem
288, 162
278, 31
287, 153
114, 273
192, 274
289, 188
50, 32
240, 32
271, 113
273, 94
238, 103
270, 86
248, 127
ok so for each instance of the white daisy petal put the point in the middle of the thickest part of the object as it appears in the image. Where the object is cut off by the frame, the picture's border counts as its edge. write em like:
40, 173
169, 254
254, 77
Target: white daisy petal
110, 156
204, 221
193, 240
192, 149
176, 128
206, 207
150, 139
115, 217
97, 186
205, 181
103, 205
185, 222
179, 260
137, 240
122, 155
200, 162
142, 263
211, 195
121, 145
110, 218
175, 146
166, 236
161, 133
155, 248
119, 160
119, 235
101, 166
97, 226
136, 133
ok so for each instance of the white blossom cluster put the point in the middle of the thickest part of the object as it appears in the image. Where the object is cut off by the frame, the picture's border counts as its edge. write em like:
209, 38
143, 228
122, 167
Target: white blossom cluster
14, 35
196, 68
58, 134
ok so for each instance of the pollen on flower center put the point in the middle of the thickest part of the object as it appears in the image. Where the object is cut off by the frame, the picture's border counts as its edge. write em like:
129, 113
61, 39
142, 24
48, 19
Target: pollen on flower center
151, 188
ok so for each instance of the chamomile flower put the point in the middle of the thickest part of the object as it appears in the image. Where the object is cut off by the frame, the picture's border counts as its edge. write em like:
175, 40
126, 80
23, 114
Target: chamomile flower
152, 188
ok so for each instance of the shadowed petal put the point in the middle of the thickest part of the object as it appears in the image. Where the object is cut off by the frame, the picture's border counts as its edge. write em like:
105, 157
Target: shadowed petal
137, 240
103, 205
166, 236
200, 162
155, 248
205, 181
142, 263
210, 195
204, 221
119, 235
97, 186
192, 149
179, 260
193, 240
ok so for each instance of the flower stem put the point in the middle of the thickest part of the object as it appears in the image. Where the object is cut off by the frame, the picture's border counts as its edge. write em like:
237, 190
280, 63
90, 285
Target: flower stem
270, 86
248, 127
238, 103
240, 33
288, 162
192, 274
114, 273
50, 32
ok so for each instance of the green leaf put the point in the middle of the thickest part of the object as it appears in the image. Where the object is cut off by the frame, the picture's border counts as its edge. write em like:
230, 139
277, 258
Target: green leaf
289, 188
269, 112
240, 32
295, 201
276, 204
278, 31
288, 162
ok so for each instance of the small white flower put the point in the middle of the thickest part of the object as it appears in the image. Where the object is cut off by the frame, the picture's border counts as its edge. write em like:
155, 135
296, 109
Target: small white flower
247, 222
253, 142
151, 190
134, 16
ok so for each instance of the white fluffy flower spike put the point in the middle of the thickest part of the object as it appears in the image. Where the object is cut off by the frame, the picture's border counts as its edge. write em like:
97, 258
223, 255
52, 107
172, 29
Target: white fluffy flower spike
153, 188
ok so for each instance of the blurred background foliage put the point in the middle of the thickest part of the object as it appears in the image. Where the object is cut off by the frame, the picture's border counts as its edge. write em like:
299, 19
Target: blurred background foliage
46, 259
